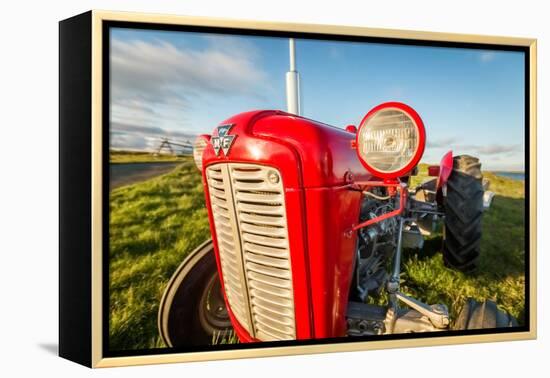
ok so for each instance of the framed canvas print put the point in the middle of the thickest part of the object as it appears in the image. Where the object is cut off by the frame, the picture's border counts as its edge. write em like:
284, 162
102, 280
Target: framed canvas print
235, 189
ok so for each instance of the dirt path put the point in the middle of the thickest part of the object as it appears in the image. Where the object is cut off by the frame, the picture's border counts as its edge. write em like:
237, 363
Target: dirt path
130, 173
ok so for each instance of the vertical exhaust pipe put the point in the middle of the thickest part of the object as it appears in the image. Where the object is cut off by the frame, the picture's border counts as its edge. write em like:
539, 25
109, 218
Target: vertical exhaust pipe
293, 82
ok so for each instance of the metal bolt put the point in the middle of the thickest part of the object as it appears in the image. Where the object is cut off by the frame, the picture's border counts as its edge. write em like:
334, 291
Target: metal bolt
392, 286
273, 177
348, 177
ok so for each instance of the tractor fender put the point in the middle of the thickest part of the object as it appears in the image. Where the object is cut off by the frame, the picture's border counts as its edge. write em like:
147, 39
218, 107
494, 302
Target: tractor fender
445, 169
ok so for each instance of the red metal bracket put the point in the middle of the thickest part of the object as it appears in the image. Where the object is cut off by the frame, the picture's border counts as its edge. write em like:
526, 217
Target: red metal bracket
402, 203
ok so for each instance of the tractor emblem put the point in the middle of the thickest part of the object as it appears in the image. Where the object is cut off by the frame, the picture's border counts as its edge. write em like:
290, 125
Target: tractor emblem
222, 141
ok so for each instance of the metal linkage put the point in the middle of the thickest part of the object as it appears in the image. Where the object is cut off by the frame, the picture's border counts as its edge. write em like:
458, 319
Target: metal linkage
397, 263
418, 317
437, 314
365, 319
392, 286
401, 190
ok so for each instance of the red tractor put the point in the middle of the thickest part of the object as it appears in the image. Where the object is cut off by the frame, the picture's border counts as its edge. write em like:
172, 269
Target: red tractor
308, 223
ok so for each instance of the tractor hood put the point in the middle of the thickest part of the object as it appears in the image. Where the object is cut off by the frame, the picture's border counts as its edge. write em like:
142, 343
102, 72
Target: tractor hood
325, 154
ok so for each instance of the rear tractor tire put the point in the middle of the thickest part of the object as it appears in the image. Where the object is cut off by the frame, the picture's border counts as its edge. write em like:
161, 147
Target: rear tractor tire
463, 205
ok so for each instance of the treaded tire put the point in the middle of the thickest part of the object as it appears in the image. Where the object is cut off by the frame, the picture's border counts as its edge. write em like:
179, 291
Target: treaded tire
480, 315
188, 312
463, 212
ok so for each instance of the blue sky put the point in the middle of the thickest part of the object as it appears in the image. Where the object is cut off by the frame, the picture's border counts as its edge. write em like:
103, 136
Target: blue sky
180, 84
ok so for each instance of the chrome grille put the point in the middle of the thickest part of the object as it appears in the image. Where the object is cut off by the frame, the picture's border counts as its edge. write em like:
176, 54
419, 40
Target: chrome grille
250, 220
228, 243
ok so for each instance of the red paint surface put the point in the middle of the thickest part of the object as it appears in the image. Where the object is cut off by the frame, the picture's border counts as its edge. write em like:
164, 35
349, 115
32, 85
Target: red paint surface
445, 169
319, 169
433, 170
351, 129
391, 214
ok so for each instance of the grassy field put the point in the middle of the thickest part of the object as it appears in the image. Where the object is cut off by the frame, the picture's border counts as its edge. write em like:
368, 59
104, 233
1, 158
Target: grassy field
155, 224
501, 267
124, 157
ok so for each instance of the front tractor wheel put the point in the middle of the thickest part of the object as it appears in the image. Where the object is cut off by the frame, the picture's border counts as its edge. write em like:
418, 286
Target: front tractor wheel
463, 212
480, 315
192, 309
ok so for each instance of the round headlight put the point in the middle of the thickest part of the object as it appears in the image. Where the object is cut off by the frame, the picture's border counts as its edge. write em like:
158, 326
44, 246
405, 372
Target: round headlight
390, 140
198, 148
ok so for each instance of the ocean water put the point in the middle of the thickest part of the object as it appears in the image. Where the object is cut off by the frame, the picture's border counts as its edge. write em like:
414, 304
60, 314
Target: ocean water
512, 175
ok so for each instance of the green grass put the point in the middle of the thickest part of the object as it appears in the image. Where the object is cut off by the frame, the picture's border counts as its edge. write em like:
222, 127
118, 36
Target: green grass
156, 223
501, 267
153, 226
124, 157
223, 338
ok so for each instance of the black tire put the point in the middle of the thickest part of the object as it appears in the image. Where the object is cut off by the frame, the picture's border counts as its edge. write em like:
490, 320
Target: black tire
192, 308
463, 212
480, 315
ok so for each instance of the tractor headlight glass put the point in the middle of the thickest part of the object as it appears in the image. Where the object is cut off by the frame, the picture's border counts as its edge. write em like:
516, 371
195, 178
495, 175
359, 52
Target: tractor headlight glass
390, 140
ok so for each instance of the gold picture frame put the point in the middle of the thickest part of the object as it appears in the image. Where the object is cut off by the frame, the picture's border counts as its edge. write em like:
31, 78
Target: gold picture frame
93, 27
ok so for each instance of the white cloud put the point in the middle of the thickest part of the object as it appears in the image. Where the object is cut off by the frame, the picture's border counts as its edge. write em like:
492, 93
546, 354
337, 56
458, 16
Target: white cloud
497, 149
150, 67
492, 156
487, 56
155, 83
455, 143
334, 52
134, 137
441, 143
